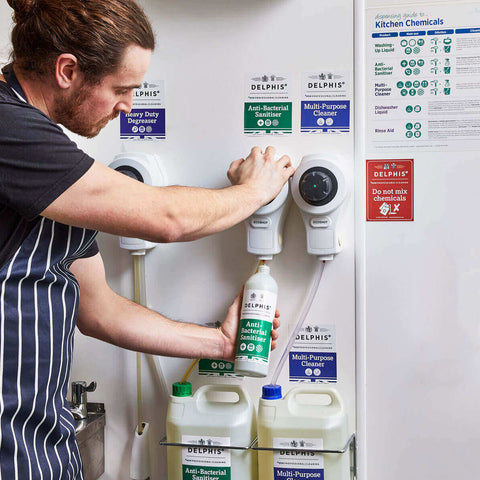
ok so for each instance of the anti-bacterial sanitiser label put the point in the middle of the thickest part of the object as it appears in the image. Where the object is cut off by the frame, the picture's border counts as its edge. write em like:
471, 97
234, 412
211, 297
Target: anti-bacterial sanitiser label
298, 462
258, 311
205, 459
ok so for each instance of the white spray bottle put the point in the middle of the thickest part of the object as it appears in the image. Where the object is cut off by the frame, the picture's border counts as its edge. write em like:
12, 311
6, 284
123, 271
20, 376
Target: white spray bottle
256, 319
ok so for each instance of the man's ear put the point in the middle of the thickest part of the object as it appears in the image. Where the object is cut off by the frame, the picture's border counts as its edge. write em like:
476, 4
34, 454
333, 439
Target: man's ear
66, 70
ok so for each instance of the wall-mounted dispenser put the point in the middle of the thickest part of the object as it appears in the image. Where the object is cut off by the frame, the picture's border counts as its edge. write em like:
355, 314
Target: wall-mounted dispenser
146, 169
319, 188
265, 226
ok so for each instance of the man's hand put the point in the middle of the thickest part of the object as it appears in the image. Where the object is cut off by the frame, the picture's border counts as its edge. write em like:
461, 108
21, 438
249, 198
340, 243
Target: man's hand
229, 328
262, 172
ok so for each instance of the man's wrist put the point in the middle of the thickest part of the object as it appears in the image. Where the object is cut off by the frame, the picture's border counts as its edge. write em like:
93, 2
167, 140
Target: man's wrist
254, 196
227, 348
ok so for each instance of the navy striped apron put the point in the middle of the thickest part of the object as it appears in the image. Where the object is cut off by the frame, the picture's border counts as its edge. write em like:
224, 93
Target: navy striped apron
38, 309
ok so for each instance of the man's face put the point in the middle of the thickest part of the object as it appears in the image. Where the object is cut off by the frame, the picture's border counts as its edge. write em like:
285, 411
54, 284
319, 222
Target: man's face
86, 109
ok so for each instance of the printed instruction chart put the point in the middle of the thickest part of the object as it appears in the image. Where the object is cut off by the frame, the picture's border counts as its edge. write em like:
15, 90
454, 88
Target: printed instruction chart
423, 77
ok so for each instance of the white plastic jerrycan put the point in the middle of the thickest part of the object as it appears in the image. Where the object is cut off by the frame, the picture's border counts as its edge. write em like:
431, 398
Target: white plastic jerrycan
306, 418
216, 416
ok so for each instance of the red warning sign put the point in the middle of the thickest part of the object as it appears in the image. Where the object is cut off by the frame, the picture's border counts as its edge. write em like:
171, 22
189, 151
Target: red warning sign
390, 190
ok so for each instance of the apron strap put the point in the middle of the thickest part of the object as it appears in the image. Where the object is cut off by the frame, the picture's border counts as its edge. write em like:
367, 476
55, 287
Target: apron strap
13, 82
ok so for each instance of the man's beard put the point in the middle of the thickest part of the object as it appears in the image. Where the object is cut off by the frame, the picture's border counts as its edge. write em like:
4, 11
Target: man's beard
68, 112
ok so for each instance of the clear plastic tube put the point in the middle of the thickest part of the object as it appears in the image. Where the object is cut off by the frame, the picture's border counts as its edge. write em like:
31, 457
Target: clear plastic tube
187, 374
320, 267
141, 299
139, 277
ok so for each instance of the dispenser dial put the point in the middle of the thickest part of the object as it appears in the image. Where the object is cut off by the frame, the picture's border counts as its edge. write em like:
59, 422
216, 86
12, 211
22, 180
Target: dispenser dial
318, 186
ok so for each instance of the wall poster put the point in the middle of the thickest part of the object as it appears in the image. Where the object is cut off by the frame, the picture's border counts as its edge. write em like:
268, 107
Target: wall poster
423, 77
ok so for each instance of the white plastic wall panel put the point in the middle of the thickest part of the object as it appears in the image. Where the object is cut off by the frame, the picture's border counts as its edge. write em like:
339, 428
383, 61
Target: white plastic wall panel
418, 382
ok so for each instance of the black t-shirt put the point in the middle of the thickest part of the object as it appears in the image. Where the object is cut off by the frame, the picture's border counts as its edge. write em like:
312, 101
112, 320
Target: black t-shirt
38, 162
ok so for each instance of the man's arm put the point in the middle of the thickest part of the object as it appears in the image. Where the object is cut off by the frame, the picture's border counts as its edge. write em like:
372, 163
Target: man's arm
111, 202
109, 317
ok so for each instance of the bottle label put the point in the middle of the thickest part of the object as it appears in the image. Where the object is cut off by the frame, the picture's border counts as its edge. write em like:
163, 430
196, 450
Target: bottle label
258, 312
205, 459
299, 462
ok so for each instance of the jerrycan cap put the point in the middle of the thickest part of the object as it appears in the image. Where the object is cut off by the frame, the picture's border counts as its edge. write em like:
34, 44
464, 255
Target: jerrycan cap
272, 392
182, 389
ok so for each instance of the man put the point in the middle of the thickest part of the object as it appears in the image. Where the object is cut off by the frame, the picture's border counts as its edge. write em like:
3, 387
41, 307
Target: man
76, 63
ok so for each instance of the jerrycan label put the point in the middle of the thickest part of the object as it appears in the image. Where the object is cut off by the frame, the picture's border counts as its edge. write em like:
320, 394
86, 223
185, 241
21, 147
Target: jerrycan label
300, 462
205, 459
258, 311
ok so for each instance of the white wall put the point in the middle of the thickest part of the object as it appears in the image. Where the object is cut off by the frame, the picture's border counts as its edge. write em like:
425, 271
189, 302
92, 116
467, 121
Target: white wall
204, 51
419, 328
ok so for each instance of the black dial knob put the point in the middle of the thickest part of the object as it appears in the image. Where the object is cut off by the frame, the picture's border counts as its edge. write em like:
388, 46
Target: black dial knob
318, 186
130, 172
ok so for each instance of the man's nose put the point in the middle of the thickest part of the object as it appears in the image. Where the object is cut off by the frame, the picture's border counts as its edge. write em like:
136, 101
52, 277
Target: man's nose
125, 105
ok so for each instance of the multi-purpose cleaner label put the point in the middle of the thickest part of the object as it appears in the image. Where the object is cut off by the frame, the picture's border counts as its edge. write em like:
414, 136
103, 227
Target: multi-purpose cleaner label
297, 461
205, 459
258, 311
313, 357
325, 106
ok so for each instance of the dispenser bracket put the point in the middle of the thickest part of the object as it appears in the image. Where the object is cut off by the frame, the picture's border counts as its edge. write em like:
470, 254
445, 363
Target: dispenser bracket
349, 446
164, 443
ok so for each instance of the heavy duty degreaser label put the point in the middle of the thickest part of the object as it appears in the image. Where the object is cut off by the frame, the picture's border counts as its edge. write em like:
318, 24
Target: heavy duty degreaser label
300, 463
205, 459
258, 311
146, 120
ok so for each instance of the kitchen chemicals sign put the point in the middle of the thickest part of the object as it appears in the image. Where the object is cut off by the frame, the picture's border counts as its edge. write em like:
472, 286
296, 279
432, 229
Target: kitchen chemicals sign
423, 77
146, 120
268, 104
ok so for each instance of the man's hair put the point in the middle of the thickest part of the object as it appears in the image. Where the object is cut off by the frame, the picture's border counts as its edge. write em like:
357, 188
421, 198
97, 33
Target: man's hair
97, 32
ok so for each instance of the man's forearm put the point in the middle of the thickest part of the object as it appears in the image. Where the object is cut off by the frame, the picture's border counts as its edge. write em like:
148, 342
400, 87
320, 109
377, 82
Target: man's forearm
105, 200
108, 201
131, 326
197, 212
